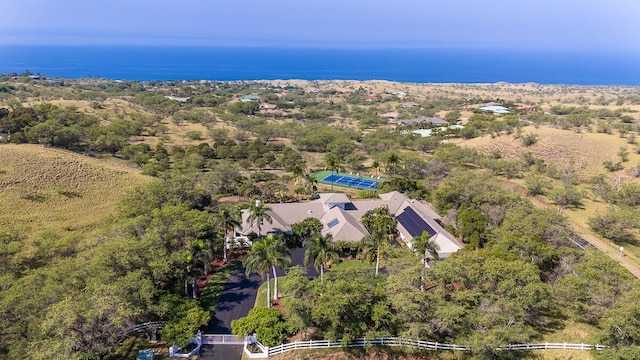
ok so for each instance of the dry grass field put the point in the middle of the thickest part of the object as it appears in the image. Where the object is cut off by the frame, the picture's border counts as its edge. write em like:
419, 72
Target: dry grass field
51, 191
585, 150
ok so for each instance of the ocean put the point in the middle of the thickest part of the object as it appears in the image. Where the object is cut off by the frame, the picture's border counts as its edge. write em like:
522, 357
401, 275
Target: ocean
148, 63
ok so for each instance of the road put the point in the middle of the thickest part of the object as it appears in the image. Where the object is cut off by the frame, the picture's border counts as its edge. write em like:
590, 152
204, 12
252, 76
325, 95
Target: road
237, 298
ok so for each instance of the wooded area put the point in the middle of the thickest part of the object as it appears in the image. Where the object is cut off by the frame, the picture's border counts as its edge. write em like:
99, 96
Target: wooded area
502, 186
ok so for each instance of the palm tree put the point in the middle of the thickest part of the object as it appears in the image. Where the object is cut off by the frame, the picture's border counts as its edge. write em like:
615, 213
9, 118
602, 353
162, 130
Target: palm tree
376, 166
258, 213
392, 162
372, 247
278, 256
256, 262
265, 255
228, 219
427, 248
320, 251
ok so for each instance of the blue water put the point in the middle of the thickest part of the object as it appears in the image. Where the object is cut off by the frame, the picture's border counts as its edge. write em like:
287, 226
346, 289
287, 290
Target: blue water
147, 63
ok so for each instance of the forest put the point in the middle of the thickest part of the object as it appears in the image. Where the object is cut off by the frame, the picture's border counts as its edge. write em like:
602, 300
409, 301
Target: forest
541, 217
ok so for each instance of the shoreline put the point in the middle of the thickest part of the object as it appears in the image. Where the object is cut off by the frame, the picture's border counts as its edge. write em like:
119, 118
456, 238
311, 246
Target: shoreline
423, 66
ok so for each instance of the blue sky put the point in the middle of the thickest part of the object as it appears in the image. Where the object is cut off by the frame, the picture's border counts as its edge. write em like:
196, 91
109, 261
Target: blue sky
598, 25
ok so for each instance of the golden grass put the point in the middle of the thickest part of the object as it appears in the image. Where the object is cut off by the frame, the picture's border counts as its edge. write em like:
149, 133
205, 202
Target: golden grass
45, 189
586, 150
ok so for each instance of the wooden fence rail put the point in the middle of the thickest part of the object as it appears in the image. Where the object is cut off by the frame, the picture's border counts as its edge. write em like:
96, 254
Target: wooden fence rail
260, 351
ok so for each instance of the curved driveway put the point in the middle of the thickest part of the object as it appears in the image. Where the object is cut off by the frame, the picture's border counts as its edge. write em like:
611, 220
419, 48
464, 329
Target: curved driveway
237, 298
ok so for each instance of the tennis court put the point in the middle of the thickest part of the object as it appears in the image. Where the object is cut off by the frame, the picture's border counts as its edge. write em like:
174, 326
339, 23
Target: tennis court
352, 181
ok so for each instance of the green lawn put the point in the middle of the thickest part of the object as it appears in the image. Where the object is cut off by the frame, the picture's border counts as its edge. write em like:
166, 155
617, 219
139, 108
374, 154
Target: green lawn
261, 298
211, 292
348, 265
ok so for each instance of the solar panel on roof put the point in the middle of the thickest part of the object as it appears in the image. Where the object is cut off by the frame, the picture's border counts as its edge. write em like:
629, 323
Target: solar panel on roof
414, 224
333, 223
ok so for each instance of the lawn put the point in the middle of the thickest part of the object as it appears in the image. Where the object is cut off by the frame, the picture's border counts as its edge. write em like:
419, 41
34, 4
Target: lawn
351, 265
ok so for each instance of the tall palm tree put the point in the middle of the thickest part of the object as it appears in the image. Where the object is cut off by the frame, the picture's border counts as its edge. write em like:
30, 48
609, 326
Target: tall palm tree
258, 213
372, 247
265, 255
320, 251
228, 219
256, 262
278, 255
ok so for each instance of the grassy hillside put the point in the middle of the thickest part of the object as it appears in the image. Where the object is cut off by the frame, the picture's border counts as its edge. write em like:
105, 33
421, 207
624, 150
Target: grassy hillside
46, 190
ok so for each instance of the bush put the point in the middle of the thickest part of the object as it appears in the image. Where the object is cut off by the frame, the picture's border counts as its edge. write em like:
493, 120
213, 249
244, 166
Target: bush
567, 196
612, 166
529, 139
367, 194
194, 135
268, 325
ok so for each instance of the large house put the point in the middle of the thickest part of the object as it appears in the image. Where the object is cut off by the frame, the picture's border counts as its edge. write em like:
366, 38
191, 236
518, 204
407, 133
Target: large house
341, 218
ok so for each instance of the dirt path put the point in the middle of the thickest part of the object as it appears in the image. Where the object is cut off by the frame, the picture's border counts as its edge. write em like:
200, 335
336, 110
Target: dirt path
627, 260
612, 250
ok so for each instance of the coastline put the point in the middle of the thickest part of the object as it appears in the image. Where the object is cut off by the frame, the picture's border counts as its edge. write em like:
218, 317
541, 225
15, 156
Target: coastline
432, 66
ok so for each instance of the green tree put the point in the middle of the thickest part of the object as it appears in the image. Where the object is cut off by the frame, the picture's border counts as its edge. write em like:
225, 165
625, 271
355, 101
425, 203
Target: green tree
371, 248
380, 221
265, 255
375, 165
228, 219
566, 196
321, 251
307, 228
426, 247
267, 324
472, 226
258, 214
392, 163
537, 185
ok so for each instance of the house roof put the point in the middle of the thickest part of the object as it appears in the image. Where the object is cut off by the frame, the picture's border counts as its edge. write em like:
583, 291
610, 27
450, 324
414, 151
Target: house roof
391, 115
343, 222
424, 119
250, 97
496, 109
409, 104
334, 198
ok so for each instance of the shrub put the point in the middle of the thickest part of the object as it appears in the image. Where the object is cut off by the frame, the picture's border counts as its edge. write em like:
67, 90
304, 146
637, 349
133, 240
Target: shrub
268, 325
194, 135
612, 166
367, 194
567, 196
529, 139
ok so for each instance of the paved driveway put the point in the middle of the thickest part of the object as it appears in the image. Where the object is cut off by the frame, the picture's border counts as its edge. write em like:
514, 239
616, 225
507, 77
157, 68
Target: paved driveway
236, 299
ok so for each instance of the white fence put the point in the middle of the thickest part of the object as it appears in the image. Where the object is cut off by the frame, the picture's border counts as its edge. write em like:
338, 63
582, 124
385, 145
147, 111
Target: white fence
218, 339
261, 351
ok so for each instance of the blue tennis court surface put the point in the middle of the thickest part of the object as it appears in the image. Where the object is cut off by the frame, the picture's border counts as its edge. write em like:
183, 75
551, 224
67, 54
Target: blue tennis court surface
352, 181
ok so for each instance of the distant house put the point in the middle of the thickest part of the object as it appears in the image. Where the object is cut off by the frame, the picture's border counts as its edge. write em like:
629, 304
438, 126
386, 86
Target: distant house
423, 120
409, 104
179, 99
340, 217
250, 98
496, 109
400, 94
392, 116
524, 108
441, 129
